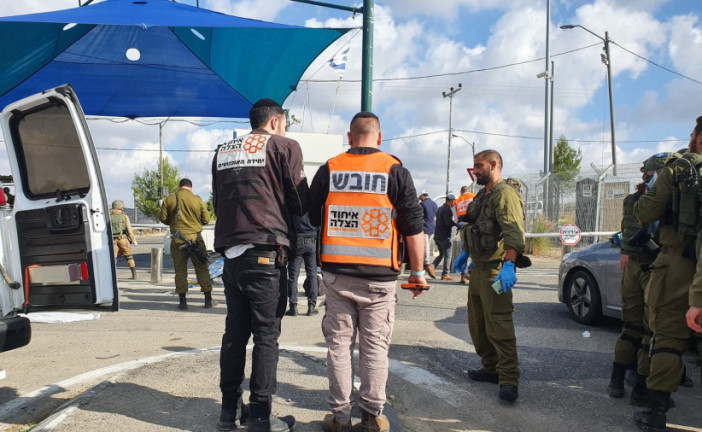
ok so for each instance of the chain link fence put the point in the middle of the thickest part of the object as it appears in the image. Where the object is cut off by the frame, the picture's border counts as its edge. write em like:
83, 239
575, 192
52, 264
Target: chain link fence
591, 198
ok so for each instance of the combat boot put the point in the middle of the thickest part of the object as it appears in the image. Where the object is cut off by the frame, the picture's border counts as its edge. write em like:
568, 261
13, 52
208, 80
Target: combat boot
183, 304
272, 424
371, 423
312, 310
639, 393
293, 310
616, 381
652, 419
134, 276
231, 412
329, 424
208, 300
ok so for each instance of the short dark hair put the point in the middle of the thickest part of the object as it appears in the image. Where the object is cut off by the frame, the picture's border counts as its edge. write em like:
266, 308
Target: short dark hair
262, 111
185, 182
490, 155
363, 115
698, 128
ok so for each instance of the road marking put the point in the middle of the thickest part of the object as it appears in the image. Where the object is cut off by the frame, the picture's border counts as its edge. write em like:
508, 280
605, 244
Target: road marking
415, 375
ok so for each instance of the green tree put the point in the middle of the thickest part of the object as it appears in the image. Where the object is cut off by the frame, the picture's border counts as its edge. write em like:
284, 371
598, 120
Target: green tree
566, 162
146, 187
210, 207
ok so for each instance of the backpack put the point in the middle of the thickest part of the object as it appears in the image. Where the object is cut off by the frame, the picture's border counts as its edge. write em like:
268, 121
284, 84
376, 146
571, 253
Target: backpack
119, 226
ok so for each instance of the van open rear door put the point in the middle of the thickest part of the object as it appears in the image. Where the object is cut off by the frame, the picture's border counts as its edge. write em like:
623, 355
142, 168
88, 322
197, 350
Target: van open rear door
56, 240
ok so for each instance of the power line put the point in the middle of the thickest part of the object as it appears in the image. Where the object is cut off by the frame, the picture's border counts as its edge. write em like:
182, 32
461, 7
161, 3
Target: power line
524, 137
656, 64
457, 73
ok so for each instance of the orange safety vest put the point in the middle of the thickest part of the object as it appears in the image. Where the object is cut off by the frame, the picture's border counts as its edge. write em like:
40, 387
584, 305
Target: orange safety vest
462, 203
359, 219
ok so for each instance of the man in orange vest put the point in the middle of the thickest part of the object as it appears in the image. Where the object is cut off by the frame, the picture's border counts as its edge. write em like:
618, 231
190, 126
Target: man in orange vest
462, 202
363, 200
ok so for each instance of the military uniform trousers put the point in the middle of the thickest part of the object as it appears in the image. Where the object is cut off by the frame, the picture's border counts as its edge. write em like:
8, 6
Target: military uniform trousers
667, 299
635, 332
180, 263
122, 246
490, 324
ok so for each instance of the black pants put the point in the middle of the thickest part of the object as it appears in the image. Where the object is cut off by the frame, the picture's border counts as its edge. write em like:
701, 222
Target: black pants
306, 251
256, 295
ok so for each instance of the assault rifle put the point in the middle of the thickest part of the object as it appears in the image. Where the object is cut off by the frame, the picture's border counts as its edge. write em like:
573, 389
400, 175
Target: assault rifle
190, 247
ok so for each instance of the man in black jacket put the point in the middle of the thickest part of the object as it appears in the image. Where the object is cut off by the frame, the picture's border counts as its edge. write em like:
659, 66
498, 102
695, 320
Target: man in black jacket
304, 250
442, 237
258, 184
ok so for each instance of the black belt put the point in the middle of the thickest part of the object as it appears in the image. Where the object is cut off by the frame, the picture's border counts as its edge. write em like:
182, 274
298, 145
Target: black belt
308, 239
265, 247
260, 253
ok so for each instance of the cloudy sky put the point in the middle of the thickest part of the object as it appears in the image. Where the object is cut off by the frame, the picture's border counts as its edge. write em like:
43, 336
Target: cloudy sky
495, 49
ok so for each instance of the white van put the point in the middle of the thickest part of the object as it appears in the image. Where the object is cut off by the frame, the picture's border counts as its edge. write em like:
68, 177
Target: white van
55, 242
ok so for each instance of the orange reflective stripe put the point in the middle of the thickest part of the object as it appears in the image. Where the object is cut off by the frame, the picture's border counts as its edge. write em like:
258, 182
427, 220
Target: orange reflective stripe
359, 225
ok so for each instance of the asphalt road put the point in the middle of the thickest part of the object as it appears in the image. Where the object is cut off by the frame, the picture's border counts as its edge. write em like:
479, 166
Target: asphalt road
563, 384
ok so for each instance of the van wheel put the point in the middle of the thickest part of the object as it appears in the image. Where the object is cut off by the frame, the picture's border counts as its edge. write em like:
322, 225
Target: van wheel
584, 301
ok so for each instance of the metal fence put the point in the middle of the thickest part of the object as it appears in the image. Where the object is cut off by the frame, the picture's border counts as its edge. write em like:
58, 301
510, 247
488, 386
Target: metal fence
591, 198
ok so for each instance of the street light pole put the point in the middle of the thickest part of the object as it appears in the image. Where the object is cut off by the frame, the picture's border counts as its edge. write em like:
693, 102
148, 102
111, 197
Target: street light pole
472, 144
606, 59
452, 92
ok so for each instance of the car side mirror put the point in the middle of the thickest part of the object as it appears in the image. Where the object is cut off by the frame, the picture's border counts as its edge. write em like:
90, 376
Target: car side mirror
616, 239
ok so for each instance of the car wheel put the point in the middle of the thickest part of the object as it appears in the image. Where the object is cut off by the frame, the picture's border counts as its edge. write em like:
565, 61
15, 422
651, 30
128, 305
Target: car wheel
583, 297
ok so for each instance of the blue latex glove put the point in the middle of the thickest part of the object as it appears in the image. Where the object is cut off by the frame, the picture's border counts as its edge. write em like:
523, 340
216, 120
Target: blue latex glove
507, 276
461, 263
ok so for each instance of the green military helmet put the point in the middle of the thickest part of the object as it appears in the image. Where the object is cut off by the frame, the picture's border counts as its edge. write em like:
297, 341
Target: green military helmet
118, 205
655, 162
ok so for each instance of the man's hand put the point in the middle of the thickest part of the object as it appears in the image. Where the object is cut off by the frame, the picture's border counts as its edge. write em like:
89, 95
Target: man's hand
640, 188
135, 243
418, 280
507, 275
623, 259
694, 318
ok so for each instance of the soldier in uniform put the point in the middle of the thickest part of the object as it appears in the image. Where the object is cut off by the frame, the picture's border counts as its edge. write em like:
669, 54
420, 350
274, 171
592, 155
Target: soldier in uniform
122, 235
674, 202
634, 263
186, 212
494, 233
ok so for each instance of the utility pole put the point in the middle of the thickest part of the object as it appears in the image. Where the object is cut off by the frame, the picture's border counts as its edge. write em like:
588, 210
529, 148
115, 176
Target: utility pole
547, 152
606, 59
452, 92
550, 123
611, 102
160, 159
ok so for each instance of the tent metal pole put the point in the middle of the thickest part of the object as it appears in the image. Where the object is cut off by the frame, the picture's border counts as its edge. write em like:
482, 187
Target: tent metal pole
367, 52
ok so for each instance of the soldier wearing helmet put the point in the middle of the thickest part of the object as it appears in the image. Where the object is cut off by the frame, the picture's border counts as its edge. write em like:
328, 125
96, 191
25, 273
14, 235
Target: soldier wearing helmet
672, 201
634, 263
122, 235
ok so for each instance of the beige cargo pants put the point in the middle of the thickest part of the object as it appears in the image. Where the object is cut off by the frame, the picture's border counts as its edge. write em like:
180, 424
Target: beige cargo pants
367, 308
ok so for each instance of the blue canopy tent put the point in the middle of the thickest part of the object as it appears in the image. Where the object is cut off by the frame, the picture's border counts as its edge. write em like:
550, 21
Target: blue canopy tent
155, 58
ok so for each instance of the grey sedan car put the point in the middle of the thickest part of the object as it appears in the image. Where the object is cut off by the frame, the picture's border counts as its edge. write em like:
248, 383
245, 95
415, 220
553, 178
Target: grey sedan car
589, 281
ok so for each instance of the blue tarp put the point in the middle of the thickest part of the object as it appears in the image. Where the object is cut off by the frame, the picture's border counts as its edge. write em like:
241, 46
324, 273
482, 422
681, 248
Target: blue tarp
192, 61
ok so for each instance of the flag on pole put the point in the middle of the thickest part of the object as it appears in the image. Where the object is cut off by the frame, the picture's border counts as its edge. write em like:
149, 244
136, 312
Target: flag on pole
338, 62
